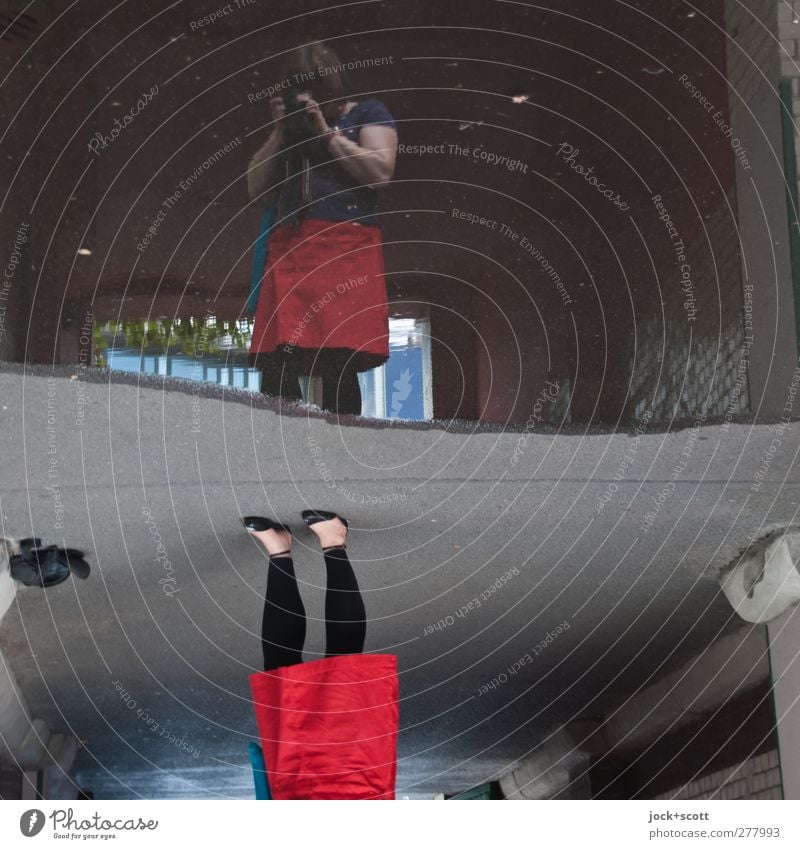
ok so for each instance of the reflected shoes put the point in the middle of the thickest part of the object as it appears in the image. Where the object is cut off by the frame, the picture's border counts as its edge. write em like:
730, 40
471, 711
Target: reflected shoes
262, 523
313, 517
310, 517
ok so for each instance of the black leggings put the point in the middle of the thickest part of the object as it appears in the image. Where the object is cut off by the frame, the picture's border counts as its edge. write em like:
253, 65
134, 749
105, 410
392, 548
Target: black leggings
283, 630
341, 392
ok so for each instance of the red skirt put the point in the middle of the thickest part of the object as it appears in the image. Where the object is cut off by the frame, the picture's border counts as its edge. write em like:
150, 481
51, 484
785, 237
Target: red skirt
328, 728
323, 288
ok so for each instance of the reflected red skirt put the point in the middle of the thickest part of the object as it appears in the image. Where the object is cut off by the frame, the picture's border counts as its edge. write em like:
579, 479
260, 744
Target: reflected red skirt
328, 728
323, 288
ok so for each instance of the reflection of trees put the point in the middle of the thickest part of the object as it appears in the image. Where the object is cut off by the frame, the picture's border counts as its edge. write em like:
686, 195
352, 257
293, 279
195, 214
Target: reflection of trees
191, 336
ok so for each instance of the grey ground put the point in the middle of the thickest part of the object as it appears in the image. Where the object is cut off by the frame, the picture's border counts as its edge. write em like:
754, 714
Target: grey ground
436, 517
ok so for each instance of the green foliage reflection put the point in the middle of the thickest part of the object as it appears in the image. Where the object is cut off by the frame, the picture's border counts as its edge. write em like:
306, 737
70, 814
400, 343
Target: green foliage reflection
190, 336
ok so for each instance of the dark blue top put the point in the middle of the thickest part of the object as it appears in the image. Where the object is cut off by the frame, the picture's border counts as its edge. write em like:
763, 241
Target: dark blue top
335, 195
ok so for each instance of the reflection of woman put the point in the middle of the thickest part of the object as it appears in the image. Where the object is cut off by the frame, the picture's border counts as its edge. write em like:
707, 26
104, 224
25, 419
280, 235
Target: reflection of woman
322, 306
328, 727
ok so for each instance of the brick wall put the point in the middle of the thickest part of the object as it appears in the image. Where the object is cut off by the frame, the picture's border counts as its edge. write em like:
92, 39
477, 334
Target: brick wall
726, 752
683, 368
713, 370
789, 51
754, 70
755, 778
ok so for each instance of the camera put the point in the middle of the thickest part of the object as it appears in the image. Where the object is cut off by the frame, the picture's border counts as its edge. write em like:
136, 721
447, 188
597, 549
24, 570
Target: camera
296, 126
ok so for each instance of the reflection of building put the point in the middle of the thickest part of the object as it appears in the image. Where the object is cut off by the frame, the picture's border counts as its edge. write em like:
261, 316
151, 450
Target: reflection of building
601, 231
706, 730
229, 370
399, 389
193, 357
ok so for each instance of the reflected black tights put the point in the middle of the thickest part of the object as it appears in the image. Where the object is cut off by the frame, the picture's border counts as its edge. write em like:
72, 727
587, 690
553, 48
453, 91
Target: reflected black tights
281, 380
283, 629
341, 392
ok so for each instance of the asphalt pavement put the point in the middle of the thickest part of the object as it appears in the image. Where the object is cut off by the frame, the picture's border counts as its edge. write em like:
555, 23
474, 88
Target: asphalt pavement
523, 578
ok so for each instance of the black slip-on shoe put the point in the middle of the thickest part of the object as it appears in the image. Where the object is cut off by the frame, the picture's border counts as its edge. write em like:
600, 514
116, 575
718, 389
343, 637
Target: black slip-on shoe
262, 523
311, 517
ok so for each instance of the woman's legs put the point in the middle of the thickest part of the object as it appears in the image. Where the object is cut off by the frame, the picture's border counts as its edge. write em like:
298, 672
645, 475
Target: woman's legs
345, 615
283, 627
341, 392
279, 377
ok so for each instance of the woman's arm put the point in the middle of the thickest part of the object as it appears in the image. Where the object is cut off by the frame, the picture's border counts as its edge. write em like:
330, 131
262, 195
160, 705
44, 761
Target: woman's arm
264, 165
371, 161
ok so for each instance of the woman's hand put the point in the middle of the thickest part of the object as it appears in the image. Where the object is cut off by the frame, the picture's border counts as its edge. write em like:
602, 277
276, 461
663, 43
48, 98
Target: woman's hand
278, 109
314, 117
371, 161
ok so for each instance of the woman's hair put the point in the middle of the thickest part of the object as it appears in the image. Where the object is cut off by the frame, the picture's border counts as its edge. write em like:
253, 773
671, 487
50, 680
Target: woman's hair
316, 68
